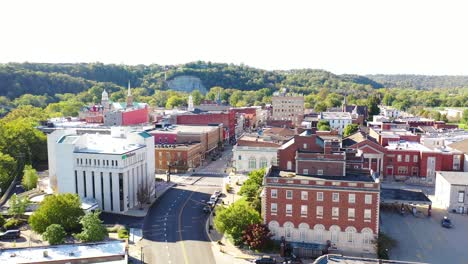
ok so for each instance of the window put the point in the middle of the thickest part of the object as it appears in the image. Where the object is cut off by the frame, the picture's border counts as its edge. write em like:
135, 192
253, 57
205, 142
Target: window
305, 171
116, 164
274, 208
289, 165
320, 196
112, 162
240, 157
102, 192
456, 162
84, 183
399, 158
351, 198
263, 163
289, 194
415, 171
305, 145
319, 172
415, 158
367, 214
110, 186
319, 211
94, 190
76, 182
252, 163
402, 170
350, 234
351, 213
303, 210
289, 209
407, 158
336, 197
274, 193
368, 199
335, 211
461, 197
304, 195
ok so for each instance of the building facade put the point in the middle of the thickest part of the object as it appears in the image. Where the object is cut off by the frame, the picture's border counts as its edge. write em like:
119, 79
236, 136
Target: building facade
178, 157
337, 120
110, 168
451, 190
288, 108
252, 152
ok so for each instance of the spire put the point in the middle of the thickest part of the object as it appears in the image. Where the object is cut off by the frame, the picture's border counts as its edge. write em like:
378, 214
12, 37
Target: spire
129, 93
190, 104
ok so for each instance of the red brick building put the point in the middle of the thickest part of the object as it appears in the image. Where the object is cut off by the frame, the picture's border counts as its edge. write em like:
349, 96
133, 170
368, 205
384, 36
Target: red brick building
181, 157
228, 119
319, 193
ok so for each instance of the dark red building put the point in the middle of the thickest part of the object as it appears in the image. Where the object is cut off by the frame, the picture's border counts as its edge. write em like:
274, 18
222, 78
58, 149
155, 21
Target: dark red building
228, 119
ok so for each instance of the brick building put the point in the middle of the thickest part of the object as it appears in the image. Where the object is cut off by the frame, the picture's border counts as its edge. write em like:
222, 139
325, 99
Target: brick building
320, 193
227, 119
180, 157
288, 108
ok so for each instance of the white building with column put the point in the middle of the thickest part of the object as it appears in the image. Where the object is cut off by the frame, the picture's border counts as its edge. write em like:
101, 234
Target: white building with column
254, 152
109, 168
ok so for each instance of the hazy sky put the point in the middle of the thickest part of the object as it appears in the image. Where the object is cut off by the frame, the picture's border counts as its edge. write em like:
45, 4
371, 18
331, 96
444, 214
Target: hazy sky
363, 37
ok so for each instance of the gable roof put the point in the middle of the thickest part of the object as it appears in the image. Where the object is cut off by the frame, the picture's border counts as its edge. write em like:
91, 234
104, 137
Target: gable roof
353, 139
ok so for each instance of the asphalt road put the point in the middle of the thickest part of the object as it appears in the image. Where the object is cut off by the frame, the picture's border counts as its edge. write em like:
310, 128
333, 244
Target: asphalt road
174, 229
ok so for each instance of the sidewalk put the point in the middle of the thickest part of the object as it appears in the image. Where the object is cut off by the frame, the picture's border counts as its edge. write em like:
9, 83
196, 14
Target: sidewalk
161, 188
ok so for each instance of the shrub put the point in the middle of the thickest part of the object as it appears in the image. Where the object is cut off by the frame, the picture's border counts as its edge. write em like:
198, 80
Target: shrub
122, 233
93, 230
12, 223
115, 228
2, 220
54, 234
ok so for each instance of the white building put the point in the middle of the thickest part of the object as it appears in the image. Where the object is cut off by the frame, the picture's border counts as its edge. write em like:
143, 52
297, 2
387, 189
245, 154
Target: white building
338, 120
290, 108
107, 168
389, 112
451, 190
252, 152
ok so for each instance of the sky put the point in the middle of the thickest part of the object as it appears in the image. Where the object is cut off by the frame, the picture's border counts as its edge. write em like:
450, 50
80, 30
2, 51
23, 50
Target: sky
358, 37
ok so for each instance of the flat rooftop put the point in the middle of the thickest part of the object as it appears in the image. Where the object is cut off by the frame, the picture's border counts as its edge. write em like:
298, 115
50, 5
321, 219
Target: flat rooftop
275, 172
455, 177
62, 252
407, 145
390, 195
257, 141
100, 144
184, 129
335, 115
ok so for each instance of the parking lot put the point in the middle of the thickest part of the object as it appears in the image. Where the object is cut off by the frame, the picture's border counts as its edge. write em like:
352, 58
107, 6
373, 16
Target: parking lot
423, 239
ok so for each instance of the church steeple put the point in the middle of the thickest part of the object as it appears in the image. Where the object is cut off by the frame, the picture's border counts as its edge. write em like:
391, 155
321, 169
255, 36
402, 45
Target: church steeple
129, 97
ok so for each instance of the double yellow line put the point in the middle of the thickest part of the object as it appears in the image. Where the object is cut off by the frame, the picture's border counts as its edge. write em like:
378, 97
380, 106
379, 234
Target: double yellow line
184, 252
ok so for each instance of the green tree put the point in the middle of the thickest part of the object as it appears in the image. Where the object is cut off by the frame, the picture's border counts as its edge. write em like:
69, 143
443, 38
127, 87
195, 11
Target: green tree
251, 187
464, 119
7, 167
54, 234
373, 105
320, 107
2, 220
63, 209
197, 97
350, 129
17, 206
30, 177
388, 99
175, 101
93, 230
323, 125
235, 98
235, 218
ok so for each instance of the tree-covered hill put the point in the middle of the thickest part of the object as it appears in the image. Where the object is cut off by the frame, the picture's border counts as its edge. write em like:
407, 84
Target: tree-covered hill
425, 82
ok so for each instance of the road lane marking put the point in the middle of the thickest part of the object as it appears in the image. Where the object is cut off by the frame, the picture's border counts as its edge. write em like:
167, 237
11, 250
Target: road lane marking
184, 252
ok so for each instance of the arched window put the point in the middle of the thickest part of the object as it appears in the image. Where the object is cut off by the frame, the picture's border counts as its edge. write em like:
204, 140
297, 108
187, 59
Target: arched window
273, 226
252, 163
288, 229
303, 229
350, 232
263, 162
366, 236
318, 230
334, 233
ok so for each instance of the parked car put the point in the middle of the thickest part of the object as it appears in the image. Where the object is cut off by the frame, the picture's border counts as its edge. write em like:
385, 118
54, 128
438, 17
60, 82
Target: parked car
217, 193
207, 209
446, 222
210, 203
10, 234
214, 198
265, 260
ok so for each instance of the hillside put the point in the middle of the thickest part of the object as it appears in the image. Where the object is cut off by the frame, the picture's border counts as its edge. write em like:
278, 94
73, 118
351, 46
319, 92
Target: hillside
422, 82
17, 79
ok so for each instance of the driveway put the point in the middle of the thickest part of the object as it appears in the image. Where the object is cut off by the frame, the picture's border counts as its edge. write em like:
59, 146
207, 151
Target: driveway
423, 239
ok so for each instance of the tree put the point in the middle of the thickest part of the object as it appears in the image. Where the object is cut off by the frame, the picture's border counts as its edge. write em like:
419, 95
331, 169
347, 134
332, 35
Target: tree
464, 119
175, 101
93, 230
256, 236
30, 177
63, 209
235, 218
197, 97
388, 99
373, 105
320, 107
54, 234
323, 125
7, 167
252, 185
17, 206
144, 194
350, 129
